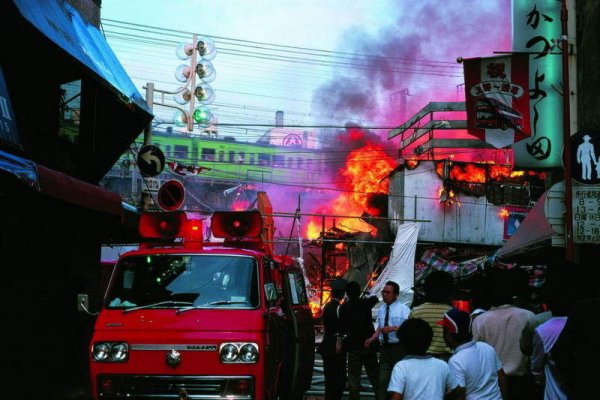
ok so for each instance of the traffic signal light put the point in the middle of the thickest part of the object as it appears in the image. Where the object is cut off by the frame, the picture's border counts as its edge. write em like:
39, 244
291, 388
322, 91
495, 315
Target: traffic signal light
200, 52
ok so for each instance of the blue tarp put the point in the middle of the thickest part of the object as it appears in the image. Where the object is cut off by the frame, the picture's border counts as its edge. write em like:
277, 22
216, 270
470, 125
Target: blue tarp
23, 169
63, 25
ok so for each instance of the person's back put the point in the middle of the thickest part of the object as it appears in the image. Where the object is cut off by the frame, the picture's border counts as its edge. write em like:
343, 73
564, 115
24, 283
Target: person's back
357, 319
474, 366
543, 368
357, 322
576, 346
501, 327
418, 375
438, 287
479, 364
334, 358
558, 293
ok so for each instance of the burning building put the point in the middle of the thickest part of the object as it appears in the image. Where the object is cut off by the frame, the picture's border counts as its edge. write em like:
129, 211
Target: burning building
468, 191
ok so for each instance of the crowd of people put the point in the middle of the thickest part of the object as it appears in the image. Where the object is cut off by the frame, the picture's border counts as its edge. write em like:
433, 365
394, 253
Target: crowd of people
431, 350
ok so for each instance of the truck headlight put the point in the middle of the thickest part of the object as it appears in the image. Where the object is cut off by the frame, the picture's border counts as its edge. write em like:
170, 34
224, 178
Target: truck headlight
249, 352
238, 352
110, 351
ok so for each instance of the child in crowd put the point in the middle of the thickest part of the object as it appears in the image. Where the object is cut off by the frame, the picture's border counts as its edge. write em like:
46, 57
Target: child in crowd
418, 375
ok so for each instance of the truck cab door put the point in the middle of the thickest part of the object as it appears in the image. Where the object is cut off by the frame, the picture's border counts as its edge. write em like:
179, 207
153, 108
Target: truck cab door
302, 334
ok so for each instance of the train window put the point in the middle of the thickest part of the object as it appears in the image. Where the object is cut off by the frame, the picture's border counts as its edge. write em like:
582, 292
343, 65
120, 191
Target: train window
251, 160
241, 157
168, 150
264, 159
181, 151
221, 156
278, 161
208, 154
299, 163
290, 162
231, 156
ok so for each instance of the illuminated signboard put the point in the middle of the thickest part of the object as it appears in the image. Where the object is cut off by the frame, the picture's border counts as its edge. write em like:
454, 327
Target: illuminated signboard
536, 28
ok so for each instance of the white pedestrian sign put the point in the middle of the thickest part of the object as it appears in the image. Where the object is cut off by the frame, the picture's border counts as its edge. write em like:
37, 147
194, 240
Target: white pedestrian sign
585, 158
585, 192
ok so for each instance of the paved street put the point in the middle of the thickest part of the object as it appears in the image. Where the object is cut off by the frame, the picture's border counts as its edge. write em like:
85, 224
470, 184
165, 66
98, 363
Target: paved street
317, 390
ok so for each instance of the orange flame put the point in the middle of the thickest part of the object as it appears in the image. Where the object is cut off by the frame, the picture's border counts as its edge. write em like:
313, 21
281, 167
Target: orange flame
482, 172
362, 175
312, 230
470, 173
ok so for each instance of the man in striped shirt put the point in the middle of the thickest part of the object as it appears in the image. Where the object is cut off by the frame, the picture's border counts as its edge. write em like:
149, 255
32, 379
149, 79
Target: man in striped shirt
438, 287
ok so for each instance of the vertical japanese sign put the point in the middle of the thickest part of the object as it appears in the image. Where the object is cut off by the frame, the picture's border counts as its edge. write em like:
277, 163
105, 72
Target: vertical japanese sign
497, 98
536, 30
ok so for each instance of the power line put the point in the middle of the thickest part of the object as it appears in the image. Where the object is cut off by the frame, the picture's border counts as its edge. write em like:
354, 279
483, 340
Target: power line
287, 48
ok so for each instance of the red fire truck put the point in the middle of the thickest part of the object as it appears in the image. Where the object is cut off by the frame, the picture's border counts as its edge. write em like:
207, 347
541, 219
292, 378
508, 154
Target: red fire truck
185, 318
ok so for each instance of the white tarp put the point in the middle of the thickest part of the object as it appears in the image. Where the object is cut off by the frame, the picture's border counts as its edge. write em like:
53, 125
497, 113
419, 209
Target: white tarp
401, 266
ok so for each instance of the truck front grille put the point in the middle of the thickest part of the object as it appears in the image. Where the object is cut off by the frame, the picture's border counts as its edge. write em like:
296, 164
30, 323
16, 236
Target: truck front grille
138, 387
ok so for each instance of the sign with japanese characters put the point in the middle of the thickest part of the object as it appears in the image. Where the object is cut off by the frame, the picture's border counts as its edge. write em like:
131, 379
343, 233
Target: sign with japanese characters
536, 29
497, 99
586, 214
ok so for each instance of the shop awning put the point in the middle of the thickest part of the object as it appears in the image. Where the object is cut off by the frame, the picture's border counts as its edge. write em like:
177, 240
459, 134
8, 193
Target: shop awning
62, 24
71, 190
61, 186
534, 232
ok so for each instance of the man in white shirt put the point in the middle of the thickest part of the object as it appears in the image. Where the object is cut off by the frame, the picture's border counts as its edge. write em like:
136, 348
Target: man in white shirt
474, 366
390, 316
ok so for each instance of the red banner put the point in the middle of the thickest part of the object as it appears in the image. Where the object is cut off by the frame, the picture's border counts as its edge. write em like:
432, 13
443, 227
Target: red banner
497, 98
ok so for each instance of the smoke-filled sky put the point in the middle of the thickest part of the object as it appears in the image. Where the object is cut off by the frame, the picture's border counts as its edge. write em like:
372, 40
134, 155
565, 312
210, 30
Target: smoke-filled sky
327, 62
412, 60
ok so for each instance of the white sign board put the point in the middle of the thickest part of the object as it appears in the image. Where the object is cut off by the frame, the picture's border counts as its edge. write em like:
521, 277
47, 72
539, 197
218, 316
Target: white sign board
586, 214
151, 184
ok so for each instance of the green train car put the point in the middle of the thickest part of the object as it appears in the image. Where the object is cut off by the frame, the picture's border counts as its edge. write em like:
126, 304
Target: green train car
228, 160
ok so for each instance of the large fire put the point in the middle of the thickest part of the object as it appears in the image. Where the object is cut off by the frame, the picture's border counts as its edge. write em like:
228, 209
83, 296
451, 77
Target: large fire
363, 175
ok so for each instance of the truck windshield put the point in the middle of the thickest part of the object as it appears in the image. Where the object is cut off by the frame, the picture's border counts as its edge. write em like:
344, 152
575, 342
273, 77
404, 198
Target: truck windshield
175, 281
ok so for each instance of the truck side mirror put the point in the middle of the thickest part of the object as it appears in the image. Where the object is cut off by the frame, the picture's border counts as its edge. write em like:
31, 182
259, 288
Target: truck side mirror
83, 304
270, 292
